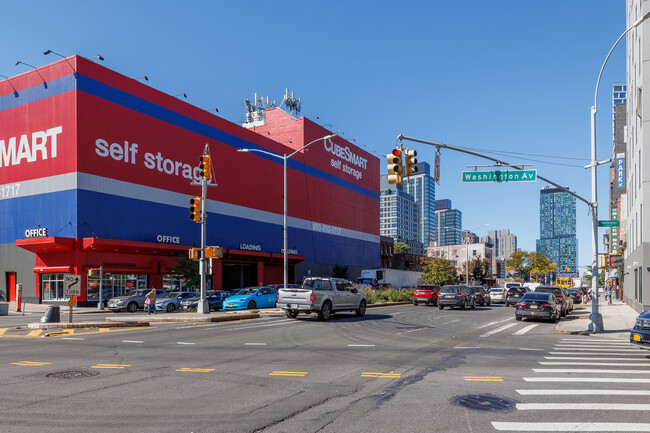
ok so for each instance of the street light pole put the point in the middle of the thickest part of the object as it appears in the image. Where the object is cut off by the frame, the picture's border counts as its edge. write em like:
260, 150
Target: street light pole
285, 157
595, 318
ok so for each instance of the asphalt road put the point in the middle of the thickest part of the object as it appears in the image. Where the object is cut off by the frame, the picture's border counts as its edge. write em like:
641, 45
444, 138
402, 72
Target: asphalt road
399, 368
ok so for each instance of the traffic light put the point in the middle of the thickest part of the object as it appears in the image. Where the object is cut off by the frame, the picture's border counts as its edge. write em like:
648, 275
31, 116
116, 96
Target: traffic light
195, 209
409, 161
213, 252
93, 273
194, 254
567, 269
204, 165
602, 261
395, 168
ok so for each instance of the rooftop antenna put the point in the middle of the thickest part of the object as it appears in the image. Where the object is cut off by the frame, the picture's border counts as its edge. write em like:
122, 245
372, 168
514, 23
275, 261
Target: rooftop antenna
293, 105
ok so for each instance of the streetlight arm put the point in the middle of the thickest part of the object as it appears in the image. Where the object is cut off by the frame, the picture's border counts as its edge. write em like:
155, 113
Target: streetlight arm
636, 23
312, 142
261, 151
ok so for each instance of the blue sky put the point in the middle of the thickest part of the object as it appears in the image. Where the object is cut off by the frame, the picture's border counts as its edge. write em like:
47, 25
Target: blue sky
507, 76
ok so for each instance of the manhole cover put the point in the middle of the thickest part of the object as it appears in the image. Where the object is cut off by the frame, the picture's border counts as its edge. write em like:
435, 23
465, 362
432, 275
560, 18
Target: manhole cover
74, 374
486, 402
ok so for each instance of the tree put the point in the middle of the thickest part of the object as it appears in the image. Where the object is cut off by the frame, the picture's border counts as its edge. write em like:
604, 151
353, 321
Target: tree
189, 269
478, 268
438, 270
519, 261
340, 272
401, 247
540, 265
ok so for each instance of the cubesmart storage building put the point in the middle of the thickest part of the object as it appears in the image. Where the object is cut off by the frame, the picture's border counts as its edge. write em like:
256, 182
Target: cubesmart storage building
96, 169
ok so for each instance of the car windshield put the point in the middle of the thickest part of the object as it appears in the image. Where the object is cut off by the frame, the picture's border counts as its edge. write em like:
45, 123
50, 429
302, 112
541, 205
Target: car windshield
548, 290
450, 289
536, 296
248, 291
496, 290
136, 293
168, 296
573, 291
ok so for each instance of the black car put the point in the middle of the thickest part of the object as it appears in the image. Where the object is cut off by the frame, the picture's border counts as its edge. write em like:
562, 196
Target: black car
576, 294
215, 300
559, 293
456, 296
543, 305
482, 296
513, 295
640, 334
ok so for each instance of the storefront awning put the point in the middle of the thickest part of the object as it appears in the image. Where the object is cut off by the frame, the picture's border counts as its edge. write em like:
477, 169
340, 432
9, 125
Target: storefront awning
51, 244
53, 270
132, 247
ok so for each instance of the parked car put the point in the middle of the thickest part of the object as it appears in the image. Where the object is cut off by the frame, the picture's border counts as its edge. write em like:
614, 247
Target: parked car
560, 294
543, 305
456, 296
251, 298
482, 296
640, 334
426, 293
214, 297
513, 295
132, 301
497, 295
324, 296
576, 295
171, 301
513, 285
290, 286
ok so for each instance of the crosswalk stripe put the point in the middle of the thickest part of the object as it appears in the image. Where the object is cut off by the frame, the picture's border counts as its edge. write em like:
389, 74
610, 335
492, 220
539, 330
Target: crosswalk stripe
582, 406
486, 325
594, 349
609, 340
587, 379
526, 329
583, 392
612, 364
572, 426
594, 353
586, 358
499, 329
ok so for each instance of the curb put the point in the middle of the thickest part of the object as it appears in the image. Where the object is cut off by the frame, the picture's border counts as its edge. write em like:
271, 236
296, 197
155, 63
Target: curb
76, 325
167, 319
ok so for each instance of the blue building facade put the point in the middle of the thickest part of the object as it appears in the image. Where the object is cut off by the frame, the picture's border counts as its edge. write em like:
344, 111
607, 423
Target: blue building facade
557, 230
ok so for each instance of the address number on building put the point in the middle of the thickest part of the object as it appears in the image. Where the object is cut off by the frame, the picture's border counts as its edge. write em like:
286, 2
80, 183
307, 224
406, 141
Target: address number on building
72, 285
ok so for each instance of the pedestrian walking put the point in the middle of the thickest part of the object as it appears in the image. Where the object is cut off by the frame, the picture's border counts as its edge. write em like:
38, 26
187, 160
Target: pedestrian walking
150, 302
608, 294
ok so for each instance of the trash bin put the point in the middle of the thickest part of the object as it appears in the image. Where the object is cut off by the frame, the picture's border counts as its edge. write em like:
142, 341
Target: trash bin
52, 314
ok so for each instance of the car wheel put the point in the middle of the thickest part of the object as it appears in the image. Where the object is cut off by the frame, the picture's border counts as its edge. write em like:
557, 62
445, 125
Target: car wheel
291, 314
132, 307
252, 305
415, 303
555, 318
517, 317
442, 307
325, 311
563, 313
171, 308
361, 311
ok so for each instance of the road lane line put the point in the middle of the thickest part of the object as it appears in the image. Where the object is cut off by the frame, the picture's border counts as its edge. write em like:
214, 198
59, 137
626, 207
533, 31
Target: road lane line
3, 330
591, 340
499, 329
526, 329
35, 333
611, 364
501, 321
595, 353
446, 323
111, 366
572, 426
589, 370
255, 344
182, 342
528, 348
289, 373
133, 341
587, 379
31, 363
361, 345
195, 370
483, 378
72, 338
466, 347
596, 346
583, 392
386, 375
593, 349
583, 406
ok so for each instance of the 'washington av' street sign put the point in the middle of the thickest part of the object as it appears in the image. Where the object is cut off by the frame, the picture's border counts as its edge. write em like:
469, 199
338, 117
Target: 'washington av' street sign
500, 176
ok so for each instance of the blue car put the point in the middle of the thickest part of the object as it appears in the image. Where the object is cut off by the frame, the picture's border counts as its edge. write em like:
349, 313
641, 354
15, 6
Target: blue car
251, 298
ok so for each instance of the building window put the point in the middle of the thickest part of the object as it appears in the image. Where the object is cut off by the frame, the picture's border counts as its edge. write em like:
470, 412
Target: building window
52, 287
639, 101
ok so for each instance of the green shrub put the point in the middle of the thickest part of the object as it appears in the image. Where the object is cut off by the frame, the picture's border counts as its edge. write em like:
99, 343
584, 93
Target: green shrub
386, 295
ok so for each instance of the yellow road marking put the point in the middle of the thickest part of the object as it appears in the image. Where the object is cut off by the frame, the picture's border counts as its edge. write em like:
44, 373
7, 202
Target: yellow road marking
484, 378
3, 330
34, 333
289, 373
196, 370
59, 333
31, 363
110, 366
389, 375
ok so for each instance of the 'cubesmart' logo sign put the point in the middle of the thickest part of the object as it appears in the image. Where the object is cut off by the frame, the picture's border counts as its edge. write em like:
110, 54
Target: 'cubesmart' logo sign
29, 147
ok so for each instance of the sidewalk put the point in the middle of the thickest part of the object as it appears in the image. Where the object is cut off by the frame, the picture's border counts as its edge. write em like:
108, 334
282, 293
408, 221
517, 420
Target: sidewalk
618, 319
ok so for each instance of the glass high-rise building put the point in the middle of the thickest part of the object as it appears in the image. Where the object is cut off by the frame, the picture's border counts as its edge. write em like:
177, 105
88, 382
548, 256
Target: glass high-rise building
557, 229
448, 224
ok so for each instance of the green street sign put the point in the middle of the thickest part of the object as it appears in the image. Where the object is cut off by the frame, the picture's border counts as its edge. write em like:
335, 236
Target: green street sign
608, 223
500, 176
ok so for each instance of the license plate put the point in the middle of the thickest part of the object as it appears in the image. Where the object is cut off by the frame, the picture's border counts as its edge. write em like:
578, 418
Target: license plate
449, 296
516, 296
636, 337
294, 305
533, 306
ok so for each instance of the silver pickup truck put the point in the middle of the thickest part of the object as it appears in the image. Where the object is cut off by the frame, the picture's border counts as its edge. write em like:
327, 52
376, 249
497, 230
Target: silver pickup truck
324, 296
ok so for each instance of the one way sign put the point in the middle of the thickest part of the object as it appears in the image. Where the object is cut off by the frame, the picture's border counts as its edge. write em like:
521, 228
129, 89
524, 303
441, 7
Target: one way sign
72, 285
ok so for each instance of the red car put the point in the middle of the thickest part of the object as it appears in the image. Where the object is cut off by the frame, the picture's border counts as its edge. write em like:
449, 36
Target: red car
426, 294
